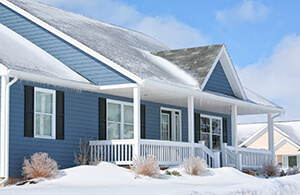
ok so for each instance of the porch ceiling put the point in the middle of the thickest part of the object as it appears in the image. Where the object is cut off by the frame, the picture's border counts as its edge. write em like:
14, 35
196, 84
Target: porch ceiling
179, 97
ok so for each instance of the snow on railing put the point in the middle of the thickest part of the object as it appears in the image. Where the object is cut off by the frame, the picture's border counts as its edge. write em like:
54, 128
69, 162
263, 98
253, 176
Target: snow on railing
245, 158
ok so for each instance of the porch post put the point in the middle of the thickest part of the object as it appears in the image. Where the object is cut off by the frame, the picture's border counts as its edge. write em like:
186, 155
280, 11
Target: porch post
191, 123
234, 127
271, 135
4, 81
136, 121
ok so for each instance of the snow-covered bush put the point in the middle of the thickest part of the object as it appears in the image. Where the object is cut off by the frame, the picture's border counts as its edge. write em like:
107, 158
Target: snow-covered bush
39, 165
269, 169
292, 171
145, 166
195, 166
175, 173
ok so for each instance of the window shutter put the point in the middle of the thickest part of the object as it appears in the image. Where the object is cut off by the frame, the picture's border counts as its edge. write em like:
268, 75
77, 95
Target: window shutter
60, 115
29, 111
197, 127
102, 119
225, 132
143, 121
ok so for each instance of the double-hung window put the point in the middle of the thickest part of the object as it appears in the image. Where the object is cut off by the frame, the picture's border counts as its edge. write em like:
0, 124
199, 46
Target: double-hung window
211, 131
119, 120
44, 113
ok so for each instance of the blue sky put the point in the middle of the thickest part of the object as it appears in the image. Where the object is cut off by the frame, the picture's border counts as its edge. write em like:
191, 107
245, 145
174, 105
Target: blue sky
262, 37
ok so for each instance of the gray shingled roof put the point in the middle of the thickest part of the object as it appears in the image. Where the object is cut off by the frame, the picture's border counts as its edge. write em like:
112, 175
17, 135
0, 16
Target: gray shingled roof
195, 61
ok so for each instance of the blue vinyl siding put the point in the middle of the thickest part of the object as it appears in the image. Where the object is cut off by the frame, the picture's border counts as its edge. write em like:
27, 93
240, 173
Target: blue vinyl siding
81, 120
79, 61
218, 81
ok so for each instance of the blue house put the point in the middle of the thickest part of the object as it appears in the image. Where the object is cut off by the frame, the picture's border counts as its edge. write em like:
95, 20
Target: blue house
65, 76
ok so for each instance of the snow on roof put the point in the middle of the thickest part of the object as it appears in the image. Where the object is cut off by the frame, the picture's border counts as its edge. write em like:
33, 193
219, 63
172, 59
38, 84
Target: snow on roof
257, 99
123, 46
291, 128
17, 53
244, 131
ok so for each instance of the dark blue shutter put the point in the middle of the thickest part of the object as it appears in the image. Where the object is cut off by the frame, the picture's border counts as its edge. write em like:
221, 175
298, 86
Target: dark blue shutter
102, 119
29, 111
143, 121
197, 127
225, 139
60, 115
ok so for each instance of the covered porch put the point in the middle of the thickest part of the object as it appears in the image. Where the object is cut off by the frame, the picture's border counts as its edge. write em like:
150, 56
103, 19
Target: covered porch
172, 152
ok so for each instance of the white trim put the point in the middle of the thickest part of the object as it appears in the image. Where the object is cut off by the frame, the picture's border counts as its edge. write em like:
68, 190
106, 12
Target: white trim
255, 136
230, 73
122, 123
119, 86
53, 122
73, 42
172, 127
210, 117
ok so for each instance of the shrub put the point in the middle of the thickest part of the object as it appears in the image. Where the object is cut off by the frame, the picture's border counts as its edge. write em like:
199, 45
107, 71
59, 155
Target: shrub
269, 169
145, 166
83, 152
195, 166
39, 165
292, 171
175, 173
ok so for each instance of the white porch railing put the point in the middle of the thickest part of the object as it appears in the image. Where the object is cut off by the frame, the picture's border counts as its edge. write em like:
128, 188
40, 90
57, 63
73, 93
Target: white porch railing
245, 158
117, 151
166, 152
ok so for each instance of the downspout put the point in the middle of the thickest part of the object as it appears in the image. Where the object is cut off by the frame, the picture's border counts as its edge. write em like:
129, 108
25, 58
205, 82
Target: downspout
5, 145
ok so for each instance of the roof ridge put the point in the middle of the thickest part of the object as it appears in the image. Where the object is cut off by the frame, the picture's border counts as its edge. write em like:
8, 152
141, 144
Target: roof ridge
222, 44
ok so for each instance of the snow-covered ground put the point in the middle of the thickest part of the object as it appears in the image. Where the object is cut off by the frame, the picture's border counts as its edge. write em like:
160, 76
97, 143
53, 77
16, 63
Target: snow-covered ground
107, 178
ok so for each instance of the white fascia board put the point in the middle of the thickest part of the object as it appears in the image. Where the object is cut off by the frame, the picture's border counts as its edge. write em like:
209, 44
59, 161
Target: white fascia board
53, 81
255, 136
230, 72
198, 93
73, 42
119, 86
3, 70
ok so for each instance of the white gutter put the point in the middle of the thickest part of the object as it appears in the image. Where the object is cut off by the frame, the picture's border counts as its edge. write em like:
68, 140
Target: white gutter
5, 126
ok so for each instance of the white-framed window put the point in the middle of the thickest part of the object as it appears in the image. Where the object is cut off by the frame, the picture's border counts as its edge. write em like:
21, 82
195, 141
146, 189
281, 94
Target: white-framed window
170, 124
211, 131
44, 113
289, 161
119, 120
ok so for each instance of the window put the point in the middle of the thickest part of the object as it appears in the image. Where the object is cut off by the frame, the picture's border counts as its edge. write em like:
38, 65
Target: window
44, 113
211, 131
292, 161
119, 120
170, 124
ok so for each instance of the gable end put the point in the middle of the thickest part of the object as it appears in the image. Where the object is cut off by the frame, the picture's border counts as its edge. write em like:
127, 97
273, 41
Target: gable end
218, 81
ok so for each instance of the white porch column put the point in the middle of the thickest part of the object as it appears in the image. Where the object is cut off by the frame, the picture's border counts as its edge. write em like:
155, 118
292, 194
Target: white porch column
136, 120
4, 81
234, 126
191, 123
271, 135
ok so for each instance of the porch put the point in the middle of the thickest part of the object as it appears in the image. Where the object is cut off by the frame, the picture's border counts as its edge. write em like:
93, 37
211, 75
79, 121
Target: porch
121, 151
